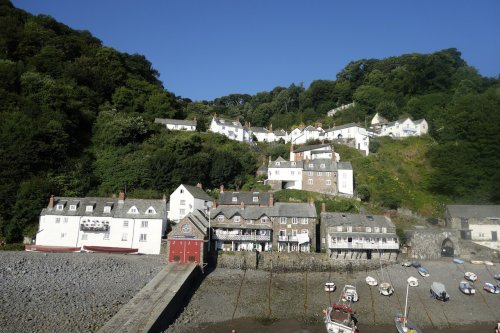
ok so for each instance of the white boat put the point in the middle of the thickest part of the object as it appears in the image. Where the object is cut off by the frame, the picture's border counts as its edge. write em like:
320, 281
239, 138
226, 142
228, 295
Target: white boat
422, 271
491, 288
371, 281
349, 294
489, 263
467, 288
330, 286
458, 261
406, 264
470, 276
403, 325
412, 281
497, 277
385, 289
477, 262
438, 291
339, 319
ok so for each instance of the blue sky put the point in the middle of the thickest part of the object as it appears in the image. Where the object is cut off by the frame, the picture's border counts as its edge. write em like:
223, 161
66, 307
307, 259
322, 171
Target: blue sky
208, 49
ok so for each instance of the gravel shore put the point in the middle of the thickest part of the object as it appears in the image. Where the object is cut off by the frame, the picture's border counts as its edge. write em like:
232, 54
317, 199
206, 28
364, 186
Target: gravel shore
68, 292
79, 292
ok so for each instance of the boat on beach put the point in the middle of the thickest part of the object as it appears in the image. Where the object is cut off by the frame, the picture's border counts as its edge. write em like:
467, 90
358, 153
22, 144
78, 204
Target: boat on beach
470, 276
371, 281
497, 277
422, 271
385, 289
438, 291
339, 318
458, 261
467, 288
491, 288
412, 281
477, 262
349, 294
403, 325
49, 248
109, 249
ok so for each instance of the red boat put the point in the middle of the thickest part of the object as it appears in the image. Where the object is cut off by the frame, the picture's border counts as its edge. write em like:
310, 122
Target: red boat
109, 249
49, 248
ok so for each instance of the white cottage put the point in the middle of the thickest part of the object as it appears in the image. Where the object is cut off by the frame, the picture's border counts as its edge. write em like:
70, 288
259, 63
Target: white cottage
230, 128
351, 131
177, 124
186, 199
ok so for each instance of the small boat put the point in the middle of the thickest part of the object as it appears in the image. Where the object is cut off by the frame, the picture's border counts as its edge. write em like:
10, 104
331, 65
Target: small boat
477, 262
416, 264
406, 264
340, 318
470, 276
109, 249
385, 289
467, 288
491, 288
422, 271
330, 287
438, 291
371, 281
458, 261
412, 281
497, 277
49, 248
488, 263
403, 325
349, 293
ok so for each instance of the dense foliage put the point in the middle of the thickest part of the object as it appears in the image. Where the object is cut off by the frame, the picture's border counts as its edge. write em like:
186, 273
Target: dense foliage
76, 119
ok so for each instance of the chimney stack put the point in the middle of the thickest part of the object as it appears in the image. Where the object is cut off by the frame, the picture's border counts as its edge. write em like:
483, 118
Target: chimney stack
121, 197
311, 201
199, 186
214, 204
51, 202
242, 205
323, 207
271, 200
221, 189
164, 197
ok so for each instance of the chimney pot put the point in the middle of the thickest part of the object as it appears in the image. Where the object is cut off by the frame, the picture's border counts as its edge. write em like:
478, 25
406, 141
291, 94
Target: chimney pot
199, 185
323, 207
51, 202
271, 200
121, 197
242, 205
214, 205
222, 189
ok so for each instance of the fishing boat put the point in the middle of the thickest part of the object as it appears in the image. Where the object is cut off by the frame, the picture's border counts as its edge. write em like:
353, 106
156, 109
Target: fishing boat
438, 291
416, 264
109, 249
349, 294
412, 281
406, 264
497, 277
477, 262
385, 289
339, 318
458, 261
467, 288
48, 248
422, 271
403, 325
488, 263
371, 281
470, 276
491, 288
330, 287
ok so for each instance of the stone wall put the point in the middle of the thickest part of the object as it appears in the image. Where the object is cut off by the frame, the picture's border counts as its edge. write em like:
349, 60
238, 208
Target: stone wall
427, 244
295, 262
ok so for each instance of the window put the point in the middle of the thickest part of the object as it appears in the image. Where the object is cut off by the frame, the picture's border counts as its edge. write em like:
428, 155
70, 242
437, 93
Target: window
72, 207
305, 220
234, 199
309, 181
150, 210
304, 231
294, 220
328, 174
65, 220
339, 228
89, 208
309, 173
220, 218
263, 219
58, 220
124, 237
376, 229
292, 172
183, 202
282, 220
328, 182
182, 211
368, 229
276, 172
384, 230
133, 210
63, 234
107, 209
320, 174
60, 207
144, 224
322, 165
311, 165
255, 199
293, 163
249, 221
125, 224
106, 236
85, 236
277, 163
182, 191
349, 228
143, 238
236, 219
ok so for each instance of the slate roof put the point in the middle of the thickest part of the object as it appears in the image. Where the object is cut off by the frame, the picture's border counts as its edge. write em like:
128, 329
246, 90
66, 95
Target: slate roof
226, 198
259, 130
315, 165
344, 166
175, 121
336, 128
199, 219
279, 132
197, 192
118, 210
291, 209
312, 147
474, 211
332, 219
286, 164
280, 209
225, 122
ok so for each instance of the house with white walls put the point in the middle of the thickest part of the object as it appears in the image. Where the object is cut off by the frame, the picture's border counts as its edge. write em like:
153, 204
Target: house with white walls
312, 152
403, 128
111, 223
283, 174
301, 135
353, 132
187, 198
230, 128
345, 179
177, 124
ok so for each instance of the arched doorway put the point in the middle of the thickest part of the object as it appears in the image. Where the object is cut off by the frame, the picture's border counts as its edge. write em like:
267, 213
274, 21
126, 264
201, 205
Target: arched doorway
447, 249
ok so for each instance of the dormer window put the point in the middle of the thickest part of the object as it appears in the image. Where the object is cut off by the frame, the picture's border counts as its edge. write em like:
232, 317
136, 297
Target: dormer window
311, 165
89, 208
234, 199
133, 210
107, 209
72, 207
255, 199
59, 206
150, 210
322, 165
294, 163
220, 218
236, 219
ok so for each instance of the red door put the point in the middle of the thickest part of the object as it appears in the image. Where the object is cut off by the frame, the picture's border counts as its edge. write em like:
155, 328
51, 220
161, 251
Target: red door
184, 251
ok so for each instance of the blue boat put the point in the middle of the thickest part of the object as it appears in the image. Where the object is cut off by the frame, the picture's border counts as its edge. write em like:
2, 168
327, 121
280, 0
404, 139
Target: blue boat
458, 261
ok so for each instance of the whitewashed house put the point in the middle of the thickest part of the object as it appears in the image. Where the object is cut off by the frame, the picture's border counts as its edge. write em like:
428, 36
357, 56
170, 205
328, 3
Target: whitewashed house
313, 152
177, 124
345, 179
230, 128
350, 131
185, 199
285, 174
263, 134
105, 222
302, 135
403, 128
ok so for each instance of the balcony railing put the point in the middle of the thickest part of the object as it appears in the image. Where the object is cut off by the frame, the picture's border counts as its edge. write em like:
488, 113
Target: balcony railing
287, 239
236, 237
364, 246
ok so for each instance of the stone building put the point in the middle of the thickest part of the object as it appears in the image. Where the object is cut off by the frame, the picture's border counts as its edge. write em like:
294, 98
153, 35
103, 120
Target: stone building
431, 244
